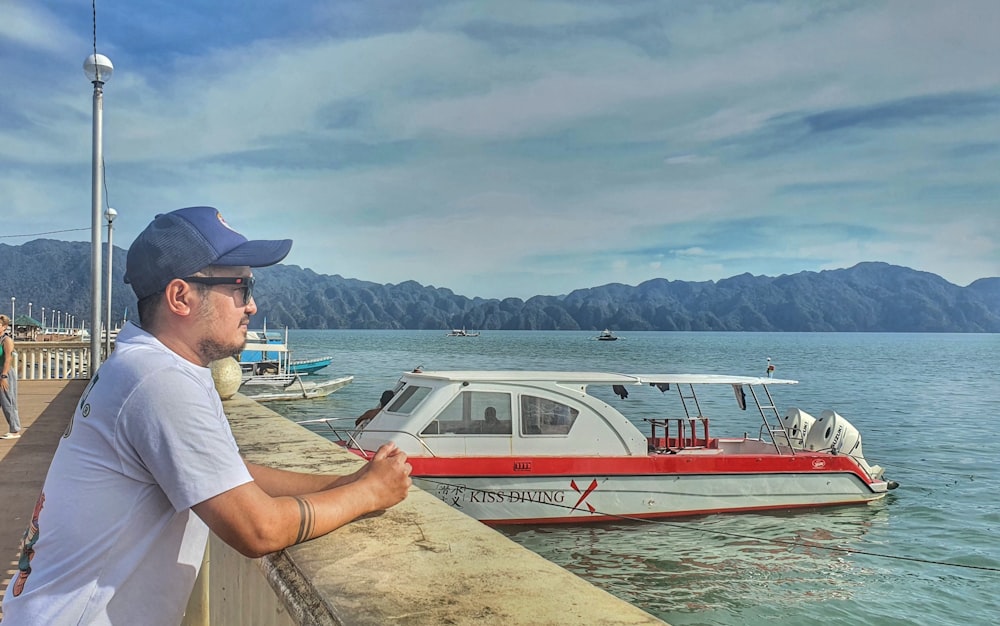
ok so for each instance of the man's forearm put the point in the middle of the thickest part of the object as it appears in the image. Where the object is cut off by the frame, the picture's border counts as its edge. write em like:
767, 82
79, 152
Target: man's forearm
277, 482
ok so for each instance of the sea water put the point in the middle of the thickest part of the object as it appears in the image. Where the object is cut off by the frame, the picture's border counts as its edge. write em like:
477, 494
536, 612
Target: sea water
926, 405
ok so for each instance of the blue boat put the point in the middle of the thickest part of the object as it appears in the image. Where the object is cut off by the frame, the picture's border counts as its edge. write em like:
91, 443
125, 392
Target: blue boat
309, 366
268, 354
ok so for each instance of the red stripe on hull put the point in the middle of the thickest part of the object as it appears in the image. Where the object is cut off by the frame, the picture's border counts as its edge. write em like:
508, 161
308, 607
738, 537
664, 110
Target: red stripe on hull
653, 465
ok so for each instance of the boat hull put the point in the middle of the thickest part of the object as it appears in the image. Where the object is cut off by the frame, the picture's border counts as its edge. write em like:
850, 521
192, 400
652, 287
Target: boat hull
596, 498
542, 489
309, 366
297, 389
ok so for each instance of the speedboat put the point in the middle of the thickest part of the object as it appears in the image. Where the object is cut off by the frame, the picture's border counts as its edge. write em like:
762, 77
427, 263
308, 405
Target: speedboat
534, 447
606, 335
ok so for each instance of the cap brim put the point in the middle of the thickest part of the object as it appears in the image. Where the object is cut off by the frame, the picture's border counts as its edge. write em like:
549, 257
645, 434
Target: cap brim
260, 253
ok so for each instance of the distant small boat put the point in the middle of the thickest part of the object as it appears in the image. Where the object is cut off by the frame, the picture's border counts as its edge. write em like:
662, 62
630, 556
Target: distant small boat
461, 332
606, 335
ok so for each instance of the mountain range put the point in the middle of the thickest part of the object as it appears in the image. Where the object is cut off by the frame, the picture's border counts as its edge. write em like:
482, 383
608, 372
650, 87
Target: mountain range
868, 297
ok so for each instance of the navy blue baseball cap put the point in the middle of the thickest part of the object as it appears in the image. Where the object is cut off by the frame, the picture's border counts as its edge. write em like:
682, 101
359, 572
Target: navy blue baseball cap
182, 242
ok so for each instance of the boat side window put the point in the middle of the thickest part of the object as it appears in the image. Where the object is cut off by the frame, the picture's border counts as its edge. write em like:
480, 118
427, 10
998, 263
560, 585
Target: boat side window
474, 413
408, 399
541, 416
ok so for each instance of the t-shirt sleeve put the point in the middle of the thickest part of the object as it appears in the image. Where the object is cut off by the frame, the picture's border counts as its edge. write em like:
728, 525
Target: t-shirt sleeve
175, 433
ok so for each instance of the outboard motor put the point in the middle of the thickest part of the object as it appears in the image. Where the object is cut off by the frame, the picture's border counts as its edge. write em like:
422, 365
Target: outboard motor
797, 423
833, 433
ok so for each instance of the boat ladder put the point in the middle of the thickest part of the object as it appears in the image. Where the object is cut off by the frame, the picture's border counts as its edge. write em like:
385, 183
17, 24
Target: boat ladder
771, 430
691, 418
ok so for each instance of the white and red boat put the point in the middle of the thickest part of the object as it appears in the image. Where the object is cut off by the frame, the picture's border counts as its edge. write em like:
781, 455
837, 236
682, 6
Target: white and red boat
519, 447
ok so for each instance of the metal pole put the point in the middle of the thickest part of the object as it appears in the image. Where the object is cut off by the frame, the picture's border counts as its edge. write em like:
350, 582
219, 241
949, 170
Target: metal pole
110, 215
97, 161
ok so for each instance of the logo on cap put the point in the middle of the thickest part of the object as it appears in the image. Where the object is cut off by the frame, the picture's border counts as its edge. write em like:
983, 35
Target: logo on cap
223, 222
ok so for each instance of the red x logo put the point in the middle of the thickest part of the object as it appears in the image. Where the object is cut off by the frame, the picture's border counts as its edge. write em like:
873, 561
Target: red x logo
583, 496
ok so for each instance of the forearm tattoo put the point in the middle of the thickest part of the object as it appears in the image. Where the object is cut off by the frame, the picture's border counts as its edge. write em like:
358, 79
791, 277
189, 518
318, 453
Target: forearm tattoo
307, 519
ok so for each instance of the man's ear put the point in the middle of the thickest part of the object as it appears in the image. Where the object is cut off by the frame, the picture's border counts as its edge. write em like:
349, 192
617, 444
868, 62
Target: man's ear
180, 297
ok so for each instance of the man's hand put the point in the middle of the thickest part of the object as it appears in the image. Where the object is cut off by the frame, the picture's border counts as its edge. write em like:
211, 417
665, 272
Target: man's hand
387, 476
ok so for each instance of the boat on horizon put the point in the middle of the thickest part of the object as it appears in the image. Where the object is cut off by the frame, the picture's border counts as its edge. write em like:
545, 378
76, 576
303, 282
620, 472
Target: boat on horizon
461, 332
537, 447
606, 335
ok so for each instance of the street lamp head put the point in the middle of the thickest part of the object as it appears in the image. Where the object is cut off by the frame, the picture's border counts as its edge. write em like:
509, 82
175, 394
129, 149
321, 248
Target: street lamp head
98, 68
110, 215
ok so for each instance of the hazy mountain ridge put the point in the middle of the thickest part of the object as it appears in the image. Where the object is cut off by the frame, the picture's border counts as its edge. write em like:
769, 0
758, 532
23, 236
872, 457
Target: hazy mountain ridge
870, 296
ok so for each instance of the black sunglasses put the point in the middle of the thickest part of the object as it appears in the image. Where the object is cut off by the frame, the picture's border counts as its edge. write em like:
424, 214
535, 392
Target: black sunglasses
244, 283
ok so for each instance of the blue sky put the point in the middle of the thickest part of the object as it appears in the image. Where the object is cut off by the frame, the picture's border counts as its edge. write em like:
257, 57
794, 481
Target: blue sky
522, 147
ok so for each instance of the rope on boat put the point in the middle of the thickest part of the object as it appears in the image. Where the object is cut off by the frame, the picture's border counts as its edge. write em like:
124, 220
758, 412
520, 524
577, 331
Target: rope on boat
796, 544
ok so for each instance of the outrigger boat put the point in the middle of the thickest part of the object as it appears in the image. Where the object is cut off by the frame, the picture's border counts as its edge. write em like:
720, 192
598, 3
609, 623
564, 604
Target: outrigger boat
529, 447
269, 354
269, 373
274, 387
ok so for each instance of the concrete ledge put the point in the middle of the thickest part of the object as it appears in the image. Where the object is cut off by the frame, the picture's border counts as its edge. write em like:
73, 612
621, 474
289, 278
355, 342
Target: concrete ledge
418, 563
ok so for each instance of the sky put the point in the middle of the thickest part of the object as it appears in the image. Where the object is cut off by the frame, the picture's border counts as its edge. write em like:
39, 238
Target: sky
524, 147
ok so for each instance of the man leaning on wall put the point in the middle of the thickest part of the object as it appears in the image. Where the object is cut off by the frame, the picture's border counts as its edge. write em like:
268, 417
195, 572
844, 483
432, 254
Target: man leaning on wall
148, 464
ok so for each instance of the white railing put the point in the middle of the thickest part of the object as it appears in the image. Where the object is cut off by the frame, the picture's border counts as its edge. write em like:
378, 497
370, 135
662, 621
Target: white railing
44, 360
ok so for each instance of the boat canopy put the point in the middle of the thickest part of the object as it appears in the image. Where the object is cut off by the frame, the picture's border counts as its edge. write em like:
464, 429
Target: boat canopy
594, 378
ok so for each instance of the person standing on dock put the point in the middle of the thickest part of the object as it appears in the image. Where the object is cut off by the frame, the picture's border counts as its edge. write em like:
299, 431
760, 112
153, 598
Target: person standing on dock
148, 464
8, 380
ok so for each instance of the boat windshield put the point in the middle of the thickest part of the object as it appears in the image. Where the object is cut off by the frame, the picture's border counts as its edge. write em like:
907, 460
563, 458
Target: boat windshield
408, 399
541, 416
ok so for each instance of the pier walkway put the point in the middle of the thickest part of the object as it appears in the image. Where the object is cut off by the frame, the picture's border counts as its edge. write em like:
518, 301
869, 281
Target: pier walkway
45, 407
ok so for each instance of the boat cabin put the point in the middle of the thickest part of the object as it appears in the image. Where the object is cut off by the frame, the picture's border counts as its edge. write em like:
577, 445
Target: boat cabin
504, 413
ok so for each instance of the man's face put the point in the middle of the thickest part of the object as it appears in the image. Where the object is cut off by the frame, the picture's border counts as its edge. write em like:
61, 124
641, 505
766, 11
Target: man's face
223, 317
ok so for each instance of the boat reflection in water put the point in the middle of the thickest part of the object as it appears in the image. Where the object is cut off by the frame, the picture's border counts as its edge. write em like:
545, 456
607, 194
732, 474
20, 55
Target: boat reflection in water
707, 570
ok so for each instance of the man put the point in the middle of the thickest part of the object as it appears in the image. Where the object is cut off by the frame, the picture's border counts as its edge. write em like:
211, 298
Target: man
148, 464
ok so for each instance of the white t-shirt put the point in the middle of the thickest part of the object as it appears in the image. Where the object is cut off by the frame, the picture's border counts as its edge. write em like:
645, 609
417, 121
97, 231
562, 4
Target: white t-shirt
115, 541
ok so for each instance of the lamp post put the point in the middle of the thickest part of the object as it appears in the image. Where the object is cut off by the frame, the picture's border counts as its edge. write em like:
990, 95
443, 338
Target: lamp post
110, 216
43, 319
12, 311
98, 69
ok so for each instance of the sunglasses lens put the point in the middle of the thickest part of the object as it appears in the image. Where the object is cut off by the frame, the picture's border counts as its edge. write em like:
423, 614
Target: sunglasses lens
248, 292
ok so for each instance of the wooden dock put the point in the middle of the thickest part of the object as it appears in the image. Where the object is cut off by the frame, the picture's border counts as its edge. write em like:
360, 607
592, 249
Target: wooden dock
45, 407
